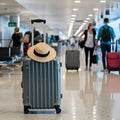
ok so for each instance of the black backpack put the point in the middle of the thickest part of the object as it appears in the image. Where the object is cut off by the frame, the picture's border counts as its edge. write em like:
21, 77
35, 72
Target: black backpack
105, 36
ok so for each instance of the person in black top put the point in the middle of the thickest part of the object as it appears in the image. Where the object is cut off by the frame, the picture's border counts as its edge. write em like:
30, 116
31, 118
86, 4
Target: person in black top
89, 45
16, 38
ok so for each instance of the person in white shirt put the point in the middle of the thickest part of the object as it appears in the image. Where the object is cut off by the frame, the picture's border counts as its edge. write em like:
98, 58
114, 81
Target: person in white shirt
90, 41
72, 41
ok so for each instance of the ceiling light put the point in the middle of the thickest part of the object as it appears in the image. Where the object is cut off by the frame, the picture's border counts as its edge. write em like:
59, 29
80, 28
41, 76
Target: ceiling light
73, 15
77, 1
72, 21
72, 18
85, 21
102, 1
90, 15
87, 18
95, 9
75, 9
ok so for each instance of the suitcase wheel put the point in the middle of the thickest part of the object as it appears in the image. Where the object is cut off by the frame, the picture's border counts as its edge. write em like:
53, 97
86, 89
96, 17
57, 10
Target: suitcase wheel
57, 108
26, 109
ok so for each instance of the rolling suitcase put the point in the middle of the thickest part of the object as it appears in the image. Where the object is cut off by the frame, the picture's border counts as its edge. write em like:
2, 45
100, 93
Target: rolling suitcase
113, 61
41, 85
72, 59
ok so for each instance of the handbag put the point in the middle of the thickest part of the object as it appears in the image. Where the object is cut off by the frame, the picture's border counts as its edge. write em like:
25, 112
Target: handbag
82, 44
95, 57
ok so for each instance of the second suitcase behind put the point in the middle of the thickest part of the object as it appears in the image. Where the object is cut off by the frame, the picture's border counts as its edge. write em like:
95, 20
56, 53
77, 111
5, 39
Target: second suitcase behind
72, 59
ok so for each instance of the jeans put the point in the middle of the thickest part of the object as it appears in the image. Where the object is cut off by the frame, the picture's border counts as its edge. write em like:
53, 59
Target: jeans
104, 49
87, 51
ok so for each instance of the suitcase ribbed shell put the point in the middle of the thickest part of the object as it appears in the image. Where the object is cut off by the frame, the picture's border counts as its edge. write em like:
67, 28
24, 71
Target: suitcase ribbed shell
41, 84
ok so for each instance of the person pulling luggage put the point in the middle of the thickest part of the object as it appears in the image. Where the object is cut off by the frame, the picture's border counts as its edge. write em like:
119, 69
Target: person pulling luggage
106, 36
89, 44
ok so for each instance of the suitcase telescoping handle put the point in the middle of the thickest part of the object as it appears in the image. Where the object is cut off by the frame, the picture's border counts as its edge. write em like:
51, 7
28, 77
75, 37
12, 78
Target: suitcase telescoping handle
38, 21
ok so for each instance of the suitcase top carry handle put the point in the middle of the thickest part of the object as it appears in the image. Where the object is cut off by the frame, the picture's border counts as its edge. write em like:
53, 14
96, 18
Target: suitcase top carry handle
38, 20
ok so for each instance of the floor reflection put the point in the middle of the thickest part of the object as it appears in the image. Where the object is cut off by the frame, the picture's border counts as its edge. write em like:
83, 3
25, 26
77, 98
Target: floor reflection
72, 80
113, 83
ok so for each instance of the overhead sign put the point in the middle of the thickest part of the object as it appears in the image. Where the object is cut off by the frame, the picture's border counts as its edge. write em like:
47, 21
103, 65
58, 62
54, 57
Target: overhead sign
12, 24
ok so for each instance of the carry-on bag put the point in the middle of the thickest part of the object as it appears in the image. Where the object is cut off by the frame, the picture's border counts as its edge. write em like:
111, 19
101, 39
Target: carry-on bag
72, 59
113, 61
41, 78
41, 85
95, 57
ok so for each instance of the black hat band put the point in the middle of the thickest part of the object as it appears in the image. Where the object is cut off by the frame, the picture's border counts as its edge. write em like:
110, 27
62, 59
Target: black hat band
41, 55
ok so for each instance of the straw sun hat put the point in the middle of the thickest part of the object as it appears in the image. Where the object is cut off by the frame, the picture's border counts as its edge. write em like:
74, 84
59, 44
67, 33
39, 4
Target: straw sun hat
41, 52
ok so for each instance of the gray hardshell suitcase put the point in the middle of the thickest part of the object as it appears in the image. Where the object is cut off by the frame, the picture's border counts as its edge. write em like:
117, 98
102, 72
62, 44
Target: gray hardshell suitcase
72, 59
41, 85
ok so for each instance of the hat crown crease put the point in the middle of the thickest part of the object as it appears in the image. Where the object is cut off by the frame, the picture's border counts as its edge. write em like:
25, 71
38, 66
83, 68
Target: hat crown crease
41, 50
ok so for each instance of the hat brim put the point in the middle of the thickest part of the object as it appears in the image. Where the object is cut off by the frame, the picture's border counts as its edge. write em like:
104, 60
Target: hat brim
48, 58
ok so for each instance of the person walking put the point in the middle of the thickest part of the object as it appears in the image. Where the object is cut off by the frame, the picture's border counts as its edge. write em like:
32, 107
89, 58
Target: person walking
16, 38
89, 46
106, 36
72, 41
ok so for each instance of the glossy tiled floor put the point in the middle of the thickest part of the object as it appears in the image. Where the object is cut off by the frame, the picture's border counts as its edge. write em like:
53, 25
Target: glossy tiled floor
87, 95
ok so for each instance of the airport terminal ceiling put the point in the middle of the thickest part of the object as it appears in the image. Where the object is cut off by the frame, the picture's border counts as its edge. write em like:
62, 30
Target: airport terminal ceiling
67, 16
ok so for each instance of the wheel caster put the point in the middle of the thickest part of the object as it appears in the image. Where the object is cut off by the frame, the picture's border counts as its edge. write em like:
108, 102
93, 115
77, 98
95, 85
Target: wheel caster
58, 110
26, 110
